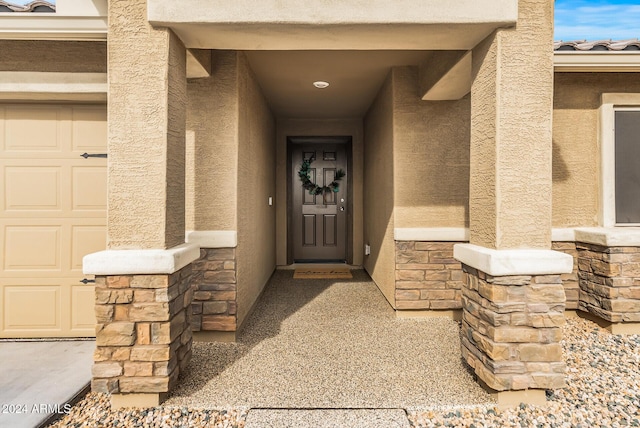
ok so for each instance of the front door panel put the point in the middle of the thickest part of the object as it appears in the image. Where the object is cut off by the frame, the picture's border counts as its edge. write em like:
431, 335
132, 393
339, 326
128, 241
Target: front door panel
319, 220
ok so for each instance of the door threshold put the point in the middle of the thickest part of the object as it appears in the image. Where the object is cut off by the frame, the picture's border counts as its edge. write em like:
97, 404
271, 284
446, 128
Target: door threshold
324, 264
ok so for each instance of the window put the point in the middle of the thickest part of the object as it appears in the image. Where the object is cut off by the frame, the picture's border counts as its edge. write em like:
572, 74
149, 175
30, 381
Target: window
620, 149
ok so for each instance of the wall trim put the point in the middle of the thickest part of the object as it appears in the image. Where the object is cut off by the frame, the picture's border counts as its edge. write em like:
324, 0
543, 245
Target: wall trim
513, 262
609, 236
140, 262
212, 238
447, 234
33, 85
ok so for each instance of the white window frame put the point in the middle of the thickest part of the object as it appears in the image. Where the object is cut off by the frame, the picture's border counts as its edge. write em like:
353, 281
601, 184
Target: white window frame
610, 104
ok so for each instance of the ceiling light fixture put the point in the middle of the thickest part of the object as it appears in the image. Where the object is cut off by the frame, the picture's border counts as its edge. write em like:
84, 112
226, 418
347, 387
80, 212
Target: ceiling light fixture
320, 84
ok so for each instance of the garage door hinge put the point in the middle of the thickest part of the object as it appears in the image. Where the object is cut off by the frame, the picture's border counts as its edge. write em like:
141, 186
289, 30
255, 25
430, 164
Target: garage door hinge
94, 155
87, 281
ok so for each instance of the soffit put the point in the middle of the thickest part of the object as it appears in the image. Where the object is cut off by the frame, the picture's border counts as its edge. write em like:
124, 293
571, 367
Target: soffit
286, 79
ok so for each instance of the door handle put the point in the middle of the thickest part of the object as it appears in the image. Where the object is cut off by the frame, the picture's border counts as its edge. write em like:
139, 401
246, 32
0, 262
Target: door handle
86, 281
341, 208
93, 155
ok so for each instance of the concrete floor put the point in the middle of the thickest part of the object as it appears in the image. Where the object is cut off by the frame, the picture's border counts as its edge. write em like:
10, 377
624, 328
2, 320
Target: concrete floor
313, 348
38, 378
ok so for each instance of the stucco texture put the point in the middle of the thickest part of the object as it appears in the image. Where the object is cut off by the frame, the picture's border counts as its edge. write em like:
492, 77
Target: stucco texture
53, 56
320, 127
212, 146
576, 155
431, 156
146, 131
256, 256
379, 191
511, 127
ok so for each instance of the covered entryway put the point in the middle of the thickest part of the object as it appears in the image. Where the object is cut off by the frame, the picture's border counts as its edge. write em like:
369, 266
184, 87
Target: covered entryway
53, 212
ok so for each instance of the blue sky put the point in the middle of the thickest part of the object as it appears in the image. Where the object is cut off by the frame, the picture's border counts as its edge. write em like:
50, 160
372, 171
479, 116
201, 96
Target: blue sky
597, 19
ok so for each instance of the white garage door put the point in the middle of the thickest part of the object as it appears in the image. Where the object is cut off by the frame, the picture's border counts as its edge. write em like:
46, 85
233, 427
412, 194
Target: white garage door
52, 213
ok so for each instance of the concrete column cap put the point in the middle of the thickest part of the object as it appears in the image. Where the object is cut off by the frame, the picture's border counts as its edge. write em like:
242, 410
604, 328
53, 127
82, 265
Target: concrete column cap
140, 262
609, 236
513, 262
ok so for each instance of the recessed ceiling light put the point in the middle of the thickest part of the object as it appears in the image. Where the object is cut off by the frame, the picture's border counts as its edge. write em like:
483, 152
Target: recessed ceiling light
320, 84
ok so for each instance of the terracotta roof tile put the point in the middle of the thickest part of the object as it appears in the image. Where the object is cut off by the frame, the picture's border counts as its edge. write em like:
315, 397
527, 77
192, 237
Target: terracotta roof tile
598, 45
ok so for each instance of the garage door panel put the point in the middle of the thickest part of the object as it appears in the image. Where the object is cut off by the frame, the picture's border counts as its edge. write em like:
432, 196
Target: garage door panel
32, 248
36, 129
89, 130
52, 213
32, 307
86, 240
34, 188
89, 188
83, 315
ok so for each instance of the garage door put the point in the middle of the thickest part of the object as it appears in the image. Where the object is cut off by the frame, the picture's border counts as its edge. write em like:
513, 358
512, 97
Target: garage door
53, 212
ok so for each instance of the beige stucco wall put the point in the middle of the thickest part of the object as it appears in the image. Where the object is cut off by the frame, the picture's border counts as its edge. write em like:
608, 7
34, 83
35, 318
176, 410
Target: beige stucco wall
431, 156
379, 191
212, 146
53, 56
576, 156
319, 127
256, 258
511, 126
146, 131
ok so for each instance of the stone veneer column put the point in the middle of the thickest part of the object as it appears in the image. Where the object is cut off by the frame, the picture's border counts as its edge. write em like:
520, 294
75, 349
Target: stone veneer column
512, 276
143, 298
609, 272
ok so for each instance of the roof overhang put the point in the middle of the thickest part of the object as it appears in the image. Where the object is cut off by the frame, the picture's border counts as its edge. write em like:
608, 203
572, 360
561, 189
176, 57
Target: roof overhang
331, 25
596, 61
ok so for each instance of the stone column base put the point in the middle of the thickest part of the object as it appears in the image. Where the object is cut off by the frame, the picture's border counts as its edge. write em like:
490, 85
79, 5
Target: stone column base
512, 318
609, 273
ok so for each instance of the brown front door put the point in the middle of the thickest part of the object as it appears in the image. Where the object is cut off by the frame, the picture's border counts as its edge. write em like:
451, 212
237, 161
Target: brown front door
319, 212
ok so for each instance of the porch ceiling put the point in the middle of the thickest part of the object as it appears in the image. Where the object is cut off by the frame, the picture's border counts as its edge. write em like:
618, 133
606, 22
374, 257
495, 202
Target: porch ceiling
354, 77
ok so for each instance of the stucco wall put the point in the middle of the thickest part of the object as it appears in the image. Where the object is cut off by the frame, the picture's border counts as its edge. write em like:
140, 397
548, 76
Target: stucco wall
379, 191
576, 156
320, 127
212, 146
53, 56
146, 131
511, 115
431, 156
256, 257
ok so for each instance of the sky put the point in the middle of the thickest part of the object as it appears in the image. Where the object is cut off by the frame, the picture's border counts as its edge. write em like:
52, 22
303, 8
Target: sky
597, 20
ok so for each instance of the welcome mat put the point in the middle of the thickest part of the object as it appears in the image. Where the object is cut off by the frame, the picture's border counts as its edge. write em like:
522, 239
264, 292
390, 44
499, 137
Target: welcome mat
322, 273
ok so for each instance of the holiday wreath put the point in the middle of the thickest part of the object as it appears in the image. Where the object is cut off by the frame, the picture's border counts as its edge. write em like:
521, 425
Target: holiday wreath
305, 176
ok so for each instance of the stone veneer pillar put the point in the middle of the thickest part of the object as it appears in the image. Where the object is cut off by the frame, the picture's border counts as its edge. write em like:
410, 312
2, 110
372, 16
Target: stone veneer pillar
609, 274
143, 331
512, 277
143, 301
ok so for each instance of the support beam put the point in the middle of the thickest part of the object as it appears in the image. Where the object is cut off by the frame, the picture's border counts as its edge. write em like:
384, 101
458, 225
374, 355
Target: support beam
446, 76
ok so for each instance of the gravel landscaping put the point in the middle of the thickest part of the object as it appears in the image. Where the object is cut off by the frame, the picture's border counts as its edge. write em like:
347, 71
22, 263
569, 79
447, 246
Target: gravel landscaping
603, 376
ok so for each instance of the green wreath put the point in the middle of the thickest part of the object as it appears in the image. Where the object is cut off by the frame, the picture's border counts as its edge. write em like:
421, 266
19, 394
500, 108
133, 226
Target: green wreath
305, 176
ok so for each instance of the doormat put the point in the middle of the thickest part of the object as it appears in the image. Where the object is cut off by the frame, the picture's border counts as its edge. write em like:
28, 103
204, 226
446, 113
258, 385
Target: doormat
322, 273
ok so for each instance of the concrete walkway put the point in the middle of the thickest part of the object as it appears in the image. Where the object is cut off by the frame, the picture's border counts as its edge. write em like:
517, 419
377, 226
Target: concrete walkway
40, 378
313, 348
